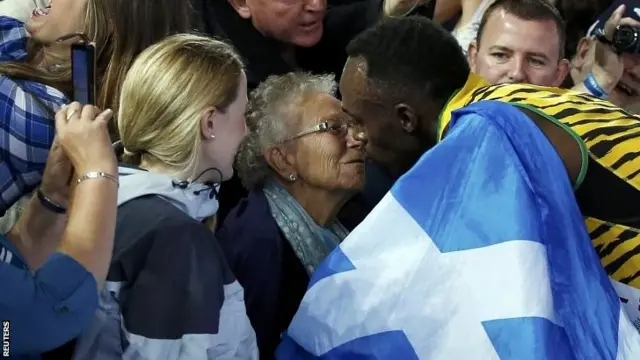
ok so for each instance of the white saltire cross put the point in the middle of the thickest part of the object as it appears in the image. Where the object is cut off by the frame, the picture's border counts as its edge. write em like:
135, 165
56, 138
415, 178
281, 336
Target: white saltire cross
452, 293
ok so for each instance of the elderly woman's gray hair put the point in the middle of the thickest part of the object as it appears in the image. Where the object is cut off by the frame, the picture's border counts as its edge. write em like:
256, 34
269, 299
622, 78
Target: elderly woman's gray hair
272, 115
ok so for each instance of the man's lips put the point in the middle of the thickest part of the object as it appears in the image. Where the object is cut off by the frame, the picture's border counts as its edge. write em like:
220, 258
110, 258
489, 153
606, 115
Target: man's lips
354, 161
311, 25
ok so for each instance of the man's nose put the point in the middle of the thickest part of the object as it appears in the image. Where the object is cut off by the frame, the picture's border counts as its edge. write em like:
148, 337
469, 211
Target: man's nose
517, 70
316, 5
356, 138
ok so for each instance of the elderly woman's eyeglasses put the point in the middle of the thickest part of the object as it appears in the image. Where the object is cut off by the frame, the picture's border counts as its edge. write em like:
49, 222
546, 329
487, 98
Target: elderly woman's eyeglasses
335, 129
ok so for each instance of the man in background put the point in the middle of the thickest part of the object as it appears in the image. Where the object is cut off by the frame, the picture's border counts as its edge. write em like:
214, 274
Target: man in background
520, 41
523, 41
617, 76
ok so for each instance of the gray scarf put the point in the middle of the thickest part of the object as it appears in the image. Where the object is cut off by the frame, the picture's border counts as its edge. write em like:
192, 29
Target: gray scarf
310, 242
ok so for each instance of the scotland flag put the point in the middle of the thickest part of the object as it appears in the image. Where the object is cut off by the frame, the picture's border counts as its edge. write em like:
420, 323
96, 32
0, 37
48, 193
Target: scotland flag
478, 252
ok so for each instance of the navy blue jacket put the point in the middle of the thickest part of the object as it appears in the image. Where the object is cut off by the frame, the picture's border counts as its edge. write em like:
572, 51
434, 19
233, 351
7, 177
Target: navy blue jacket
264, 263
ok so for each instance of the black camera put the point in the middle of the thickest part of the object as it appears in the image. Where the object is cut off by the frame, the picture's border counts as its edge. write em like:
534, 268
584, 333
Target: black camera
626, 39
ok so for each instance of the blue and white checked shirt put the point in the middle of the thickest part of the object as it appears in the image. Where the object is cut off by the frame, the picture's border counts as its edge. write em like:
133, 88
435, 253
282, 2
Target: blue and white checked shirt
27, 129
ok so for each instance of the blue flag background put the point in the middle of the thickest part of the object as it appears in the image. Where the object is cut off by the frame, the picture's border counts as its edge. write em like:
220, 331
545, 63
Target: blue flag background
478, 252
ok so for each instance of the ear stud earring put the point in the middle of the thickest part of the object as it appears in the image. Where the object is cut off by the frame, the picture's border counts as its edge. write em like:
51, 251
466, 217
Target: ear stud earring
292, 177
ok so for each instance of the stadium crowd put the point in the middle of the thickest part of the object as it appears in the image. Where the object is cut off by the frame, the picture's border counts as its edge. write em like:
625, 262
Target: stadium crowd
234, 147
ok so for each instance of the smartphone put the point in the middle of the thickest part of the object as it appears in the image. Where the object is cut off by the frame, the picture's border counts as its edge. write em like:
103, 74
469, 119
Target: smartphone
83, 66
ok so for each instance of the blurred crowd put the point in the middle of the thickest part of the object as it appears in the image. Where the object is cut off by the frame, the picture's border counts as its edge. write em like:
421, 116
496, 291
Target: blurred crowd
234, 144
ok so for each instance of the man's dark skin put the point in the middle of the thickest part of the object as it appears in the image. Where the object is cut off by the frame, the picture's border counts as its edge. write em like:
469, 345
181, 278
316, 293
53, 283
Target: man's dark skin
401, 125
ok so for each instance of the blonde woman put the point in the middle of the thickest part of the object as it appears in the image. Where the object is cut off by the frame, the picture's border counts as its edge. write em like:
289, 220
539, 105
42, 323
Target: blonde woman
169, 293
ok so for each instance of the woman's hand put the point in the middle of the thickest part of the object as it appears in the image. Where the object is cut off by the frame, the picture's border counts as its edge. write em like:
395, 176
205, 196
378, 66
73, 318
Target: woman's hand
89, 233
82, 133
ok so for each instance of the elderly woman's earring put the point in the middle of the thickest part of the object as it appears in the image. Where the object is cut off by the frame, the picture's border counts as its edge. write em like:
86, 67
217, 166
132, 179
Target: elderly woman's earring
212, 137
292, 177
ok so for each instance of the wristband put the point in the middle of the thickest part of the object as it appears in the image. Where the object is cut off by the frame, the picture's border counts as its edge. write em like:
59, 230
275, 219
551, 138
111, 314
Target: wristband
593, 87
49, 204
98, 175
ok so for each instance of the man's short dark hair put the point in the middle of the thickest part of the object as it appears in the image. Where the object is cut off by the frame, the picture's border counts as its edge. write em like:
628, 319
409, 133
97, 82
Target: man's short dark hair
414, 53
529, 10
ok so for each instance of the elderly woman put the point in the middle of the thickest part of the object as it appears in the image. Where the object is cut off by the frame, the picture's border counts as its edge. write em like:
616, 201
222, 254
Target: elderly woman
302, 160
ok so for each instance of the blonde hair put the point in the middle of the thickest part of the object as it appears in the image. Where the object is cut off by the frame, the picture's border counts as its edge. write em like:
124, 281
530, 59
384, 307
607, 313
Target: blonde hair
164, 94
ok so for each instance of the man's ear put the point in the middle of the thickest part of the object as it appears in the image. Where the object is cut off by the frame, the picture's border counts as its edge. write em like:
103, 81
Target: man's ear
408, 117
241, 7
280, 161
561, 72
472, 52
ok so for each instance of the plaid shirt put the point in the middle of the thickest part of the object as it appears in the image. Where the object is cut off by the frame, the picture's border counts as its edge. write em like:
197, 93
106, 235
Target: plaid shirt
27, 129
